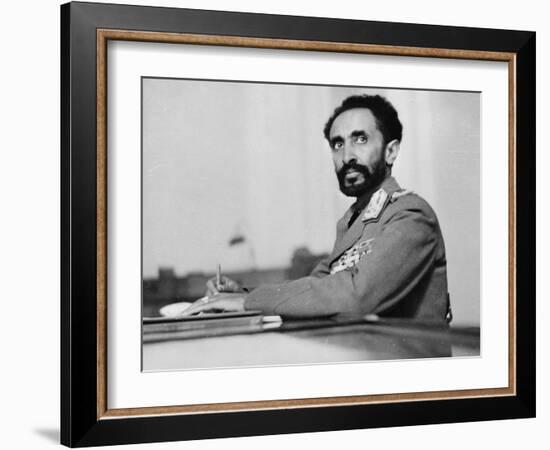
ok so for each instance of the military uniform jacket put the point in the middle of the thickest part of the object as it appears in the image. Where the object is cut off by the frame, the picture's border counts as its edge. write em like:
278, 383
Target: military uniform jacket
390, 262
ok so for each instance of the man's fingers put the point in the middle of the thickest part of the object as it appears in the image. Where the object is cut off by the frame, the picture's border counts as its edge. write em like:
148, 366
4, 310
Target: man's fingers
211, 288
229, 285
226, 285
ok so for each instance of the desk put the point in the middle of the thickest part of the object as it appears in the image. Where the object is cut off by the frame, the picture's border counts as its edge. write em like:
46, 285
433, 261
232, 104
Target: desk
313, 342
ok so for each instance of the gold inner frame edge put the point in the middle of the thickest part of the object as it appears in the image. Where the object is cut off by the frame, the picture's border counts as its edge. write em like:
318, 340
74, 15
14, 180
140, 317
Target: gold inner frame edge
104, 35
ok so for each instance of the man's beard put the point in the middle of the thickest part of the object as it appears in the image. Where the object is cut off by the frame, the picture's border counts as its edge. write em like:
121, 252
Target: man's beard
363, 180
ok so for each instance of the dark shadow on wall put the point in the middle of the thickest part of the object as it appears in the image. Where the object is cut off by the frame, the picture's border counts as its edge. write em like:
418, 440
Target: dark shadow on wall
50, 434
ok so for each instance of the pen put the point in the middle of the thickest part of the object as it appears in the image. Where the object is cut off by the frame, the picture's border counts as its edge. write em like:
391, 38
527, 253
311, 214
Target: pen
218, 277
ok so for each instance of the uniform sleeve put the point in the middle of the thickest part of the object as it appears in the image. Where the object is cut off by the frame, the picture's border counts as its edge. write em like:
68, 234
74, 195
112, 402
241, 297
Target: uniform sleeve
396, 261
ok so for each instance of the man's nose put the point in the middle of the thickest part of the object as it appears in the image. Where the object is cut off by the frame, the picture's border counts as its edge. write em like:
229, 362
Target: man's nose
349, 154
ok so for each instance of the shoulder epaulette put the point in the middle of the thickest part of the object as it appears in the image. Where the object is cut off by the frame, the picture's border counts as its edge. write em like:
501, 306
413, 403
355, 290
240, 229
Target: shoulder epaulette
398, 194
375, 206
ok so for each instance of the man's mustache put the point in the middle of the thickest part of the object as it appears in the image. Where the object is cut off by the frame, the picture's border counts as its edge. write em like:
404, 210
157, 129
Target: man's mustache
355, 167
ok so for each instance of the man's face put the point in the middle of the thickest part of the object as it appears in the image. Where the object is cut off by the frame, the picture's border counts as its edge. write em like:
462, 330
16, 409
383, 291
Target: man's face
357, 151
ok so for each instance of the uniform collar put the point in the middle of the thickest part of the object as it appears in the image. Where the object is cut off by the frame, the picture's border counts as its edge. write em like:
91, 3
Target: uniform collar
348, 236
389, 185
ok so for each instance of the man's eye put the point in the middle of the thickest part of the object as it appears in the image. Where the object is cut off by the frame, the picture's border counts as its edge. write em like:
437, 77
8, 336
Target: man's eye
361, 139
337, 145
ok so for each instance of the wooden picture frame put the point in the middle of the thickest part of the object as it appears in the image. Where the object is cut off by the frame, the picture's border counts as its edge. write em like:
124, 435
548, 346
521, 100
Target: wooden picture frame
86, 418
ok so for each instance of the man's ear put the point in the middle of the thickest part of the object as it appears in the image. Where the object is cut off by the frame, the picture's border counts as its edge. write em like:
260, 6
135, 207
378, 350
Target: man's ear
391, 152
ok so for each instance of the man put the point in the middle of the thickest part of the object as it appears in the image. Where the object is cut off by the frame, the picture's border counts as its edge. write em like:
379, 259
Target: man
389, 254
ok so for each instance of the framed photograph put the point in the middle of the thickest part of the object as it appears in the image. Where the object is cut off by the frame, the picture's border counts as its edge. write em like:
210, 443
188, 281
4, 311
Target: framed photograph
278, 224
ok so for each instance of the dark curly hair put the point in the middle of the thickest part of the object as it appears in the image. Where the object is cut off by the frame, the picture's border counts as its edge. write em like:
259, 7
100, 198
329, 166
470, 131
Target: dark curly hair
385, 114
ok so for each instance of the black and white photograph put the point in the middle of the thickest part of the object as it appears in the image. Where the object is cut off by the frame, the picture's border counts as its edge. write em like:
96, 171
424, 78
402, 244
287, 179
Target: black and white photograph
291, 224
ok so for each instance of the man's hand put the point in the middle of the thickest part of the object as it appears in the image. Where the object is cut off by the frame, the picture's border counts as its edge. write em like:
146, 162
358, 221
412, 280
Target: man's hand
219, 302
226, 285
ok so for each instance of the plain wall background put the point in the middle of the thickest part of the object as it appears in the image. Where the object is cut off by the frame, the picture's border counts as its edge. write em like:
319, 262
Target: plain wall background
266, 173
30, 226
